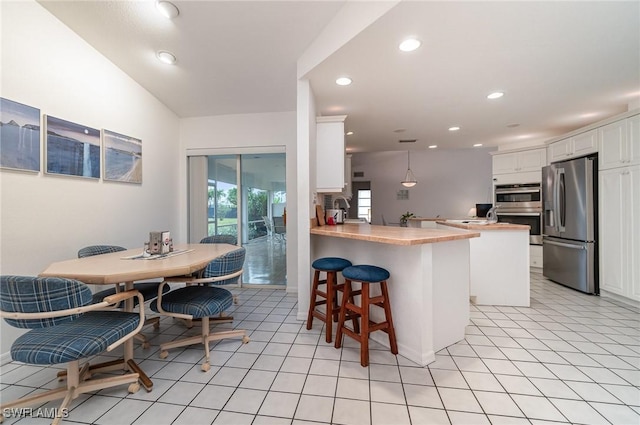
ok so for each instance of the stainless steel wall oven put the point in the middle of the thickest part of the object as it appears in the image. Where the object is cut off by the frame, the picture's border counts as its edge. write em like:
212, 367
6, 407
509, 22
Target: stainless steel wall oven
521, 204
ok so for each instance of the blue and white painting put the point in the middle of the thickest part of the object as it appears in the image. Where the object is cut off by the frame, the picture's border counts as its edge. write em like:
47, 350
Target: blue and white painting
122, 157
72, 149
19, 136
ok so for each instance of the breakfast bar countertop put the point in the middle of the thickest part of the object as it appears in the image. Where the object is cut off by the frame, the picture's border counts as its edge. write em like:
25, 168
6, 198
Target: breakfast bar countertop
393, 235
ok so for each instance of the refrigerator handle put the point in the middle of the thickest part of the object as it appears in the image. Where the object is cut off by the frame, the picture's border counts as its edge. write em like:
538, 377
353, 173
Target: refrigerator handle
561, 200
556, 199
564, 245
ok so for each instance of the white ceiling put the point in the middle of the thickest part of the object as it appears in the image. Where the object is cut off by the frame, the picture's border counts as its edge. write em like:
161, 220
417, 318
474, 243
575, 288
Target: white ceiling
562, 65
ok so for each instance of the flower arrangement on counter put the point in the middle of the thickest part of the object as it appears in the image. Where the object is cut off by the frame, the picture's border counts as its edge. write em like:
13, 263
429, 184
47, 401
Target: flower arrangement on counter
404, 217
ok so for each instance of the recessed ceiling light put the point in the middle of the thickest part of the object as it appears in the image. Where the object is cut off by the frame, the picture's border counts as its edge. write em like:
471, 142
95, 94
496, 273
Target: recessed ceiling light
433, 146
349, 133
495, 95
477, 145
399, 130
454, 128
343, 81
167, 9
166, 57
409, 45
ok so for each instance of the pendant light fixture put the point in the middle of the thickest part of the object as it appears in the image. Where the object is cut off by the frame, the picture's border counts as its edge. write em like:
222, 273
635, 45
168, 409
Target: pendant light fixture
409, 178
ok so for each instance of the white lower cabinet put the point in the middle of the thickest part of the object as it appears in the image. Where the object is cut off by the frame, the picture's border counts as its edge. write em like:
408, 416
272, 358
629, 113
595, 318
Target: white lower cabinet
619, 241
535, 256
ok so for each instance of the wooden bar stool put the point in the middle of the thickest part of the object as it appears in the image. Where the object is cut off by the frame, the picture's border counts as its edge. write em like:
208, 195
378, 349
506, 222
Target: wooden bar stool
331, 266
366, 275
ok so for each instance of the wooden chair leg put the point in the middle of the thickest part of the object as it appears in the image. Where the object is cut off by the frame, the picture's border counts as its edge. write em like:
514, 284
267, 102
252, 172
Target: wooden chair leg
354, 317
364, 335
330, 288
312, 303
387, 312
335, 306
343, 310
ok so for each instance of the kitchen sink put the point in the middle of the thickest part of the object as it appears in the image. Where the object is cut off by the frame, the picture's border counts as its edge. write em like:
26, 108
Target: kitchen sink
355, 221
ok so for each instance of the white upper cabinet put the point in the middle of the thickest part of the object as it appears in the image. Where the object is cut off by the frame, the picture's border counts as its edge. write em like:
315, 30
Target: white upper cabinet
571, 147
330, 154
619, 143
347, 191
531, 160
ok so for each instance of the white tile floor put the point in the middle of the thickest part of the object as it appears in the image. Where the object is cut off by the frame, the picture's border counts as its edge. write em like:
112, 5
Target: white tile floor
569, 358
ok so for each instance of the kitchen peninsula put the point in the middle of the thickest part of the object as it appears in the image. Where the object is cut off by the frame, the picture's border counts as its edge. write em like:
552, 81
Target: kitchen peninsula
429, 283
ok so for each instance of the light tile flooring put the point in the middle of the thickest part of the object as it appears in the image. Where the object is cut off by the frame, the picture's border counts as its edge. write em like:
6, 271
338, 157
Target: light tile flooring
569, 358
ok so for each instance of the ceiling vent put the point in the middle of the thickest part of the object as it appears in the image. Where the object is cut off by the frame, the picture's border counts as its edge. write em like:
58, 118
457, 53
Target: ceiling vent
358, 174
407, 140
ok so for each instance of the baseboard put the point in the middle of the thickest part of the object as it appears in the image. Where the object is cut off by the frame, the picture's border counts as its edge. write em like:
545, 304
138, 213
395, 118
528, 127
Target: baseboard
627, 302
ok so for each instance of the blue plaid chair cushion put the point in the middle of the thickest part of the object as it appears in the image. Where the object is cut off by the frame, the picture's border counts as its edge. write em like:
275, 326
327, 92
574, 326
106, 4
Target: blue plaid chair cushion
198, 301
89, 251
230, 239
88, 335
229, 263
26, 294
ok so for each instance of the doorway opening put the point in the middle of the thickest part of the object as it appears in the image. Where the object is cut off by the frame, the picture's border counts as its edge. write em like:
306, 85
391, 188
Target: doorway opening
361, 201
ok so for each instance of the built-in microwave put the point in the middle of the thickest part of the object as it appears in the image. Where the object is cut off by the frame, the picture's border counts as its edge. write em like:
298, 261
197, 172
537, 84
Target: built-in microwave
518, 196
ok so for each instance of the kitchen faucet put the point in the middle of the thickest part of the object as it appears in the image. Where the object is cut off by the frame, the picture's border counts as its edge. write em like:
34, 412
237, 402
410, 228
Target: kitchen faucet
337, 205
492, 216
346, 201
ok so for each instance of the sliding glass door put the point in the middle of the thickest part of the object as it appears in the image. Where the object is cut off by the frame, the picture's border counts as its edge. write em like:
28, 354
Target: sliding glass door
246, 197
222, 196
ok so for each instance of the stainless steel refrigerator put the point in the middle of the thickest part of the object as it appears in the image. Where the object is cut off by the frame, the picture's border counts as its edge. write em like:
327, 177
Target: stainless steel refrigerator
569, 242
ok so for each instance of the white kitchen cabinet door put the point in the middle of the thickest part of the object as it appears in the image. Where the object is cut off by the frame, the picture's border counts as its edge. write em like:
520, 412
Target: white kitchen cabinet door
505, 163
330, 154
585, 143
519, 162
347, 191
612, 231
535, 256
613, 145
619, 241
633, 258
619, 143
633, 140
532, 160
572, 147
559, 150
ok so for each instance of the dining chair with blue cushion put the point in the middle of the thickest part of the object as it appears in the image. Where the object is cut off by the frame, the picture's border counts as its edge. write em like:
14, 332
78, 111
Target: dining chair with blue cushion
149, 290
230, 239
65, 326
216, 268
203, 299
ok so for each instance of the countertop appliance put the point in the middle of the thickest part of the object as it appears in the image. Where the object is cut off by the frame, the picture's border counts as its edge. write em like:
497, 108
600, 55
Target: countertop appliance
338, 216
569, 243
521, 204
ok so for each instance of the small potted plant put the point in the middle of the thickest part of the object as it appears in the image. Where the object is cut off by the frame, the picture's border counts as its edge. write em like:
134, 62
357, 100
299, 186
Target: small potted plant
404, 217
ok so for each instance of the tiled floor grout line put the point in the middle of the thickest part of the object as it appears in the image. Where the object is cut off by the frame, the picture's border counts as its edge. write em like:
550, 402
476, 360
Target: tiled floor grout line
570, 335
